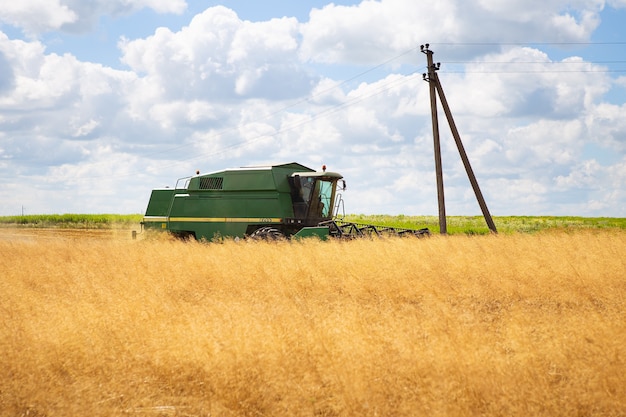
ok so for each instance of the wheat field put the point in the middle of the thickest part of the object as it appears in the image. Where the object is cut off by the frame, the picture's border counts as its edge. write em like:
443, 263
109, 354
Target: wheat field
508, 325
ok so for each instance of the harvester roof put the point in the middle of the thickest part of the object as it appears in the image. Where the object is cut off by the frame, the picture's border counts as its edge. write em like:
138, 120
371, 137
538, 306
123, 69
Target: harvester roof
266, 177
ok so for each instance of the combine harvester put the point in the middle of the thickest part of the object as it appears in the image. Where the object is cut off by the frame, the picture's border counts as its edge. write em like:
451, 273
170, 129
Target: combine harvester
269, 202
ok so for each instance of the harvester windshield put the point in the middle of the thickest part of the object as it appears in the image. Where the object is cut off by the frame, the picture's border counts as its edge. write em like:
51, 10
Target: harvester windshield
318, 193
313, 195
326, 189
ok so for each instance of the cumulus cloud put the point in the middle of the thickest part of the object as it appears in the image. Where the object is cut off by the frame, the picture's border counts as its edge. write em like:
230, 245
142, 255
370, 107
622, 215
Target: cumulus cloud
549, 88
56, 105
603, 186
39, 16
375, 30
379, 29
607, 126
219, 56
36, 16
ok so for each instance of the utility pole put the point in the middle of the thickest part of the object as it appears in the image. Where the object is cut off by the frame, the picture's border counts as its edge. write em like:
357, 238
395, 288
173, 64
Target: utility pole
443, 228
435, 87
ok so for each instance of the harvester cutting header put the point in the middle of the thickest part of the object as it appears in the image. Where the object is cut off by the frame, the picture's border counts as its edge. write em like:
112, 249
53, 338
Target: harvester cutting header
278, 201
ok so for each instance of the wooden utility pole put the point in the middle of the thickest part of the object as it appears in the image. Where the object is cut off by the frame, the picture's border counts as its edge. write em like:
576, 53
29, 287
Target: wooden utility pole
435, 87
443, 228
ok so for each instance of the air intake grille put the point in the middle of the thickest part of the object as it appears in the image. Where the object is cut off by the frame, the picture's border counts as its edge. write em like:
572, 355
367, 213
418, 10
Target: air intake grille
211, 183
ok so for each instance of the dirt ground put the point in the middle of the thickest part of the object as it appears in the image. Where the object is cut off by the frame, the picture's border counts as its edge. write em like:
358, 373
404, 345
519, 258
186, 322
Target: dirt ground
39, 234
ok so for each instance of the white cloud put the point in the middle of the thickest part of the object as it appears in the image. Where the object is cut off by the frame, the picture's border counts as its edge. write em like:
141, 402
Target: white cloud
544, 143
525, 82
57, 109
219, 56
376, 29
46, 81
39, 16
603, 187
302, 134
607, 126
380, 29
159, 6
274, 38
85, 128
584, 175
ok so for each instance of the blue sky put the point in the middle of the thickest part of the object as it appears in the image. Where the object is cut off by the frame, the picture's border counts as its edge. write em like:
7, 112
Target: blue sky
102, 101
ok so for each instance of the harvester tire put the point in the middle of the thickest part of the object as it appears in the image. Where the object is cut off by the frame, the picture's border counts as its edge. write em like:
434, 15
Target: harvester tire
267, 233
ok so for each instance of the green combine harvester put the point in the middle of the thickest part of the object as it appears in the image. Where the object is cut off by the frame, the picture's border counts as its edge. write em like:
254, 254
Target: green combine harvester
269, 202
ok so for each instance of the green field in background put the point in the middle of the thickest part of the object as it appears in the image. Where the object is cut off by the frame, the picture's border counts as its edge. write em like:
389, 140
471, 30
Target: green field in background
456, 224
504, 224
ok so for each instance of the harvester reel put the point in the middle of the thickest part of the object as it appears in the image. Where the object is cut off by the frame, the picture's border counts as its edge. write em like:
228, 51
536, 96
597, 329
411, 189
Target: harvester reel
267, 233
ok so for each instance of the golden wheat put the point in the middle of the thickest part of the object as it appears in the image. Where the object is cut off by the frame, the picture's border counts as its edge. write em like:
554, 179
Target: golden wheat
513, 325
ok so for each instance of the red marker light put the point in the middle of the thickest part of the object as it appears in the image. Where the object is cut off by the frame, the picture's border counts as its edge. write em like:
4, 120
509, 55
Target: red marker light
324, 168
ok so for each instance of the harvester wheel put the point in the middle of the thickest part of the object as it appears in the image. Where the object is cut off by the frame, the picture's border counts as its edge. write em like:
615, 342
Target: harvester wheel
185, 236
267, 233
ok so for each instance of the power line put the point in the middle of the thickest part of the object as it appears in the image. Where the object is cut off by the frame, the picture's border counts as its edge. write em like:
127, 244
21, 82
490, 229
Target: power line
534, 62
589, 43
526, 67
598, 71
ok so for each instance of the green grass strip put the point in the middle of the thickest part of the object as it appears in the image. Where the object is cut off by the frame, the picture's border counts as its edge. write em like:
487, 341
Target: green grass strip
89, 221
505, 224
470, 225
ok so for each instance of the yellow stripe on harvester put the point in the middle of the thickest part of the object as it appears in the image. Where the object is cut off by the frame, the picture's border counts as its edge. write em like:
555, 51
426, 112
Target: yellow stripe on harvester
155, 219
226, 219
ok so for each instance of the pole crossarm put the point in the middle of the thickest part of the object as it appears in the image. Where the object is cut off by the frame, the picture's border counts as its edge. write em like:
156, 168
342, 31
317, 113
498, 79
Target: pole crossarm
437, 89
